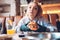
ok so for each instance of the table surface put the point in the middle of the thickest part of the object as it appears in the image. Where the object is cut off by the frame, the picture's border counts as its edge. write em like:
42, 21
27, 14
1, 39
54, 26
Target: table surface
16, 37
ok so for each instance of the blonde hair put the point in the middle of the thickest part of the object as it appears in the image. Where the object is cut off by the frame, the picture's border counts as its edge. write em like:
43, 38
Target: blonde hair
39, 12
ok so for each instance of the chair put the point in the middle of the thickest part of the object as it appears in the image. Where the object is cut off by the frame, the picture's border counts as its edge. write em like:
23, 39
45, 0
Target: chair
51, 18
2, 25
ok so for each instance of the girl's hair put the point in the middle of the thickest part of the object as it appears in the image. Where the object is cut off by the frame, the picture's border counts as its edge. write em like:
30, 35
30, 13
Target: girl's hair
39, 12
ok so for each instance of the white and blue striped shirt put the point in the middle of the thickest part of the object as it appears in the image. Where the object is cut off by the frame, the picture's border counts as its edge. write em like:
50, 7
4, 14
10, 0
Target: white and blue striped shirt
41, 22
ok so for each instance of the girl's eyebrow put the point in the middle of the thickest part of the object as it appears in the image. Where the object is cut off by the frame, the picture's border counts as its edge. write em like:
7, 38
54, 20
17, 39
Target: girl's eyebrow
36, 7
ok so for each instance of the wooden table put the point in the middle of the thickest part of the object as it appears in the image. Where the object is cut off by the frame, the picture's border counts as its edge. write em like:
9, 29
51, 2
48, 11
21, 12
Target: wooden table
5, 37
11, 37
16, 37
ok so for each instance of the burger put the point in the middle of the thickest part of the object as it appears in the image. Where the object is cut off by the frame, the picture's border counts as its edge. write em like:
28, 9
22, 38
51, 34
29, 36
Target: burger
32, 25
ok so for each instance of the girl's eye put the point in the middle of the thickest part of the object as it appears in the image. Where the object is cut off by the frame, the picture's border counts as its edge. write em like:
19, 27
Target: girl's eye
29, 7
36, 8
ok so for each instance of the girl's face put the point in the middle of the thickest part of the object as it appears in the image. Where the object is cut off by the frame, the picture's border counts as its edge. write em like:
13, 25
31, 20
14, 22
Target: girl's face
32, 10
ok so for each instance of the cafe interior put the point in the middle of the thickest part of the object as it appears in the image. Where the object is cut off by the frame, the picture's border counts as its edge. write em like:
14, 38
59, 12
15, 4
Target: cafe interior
15, 10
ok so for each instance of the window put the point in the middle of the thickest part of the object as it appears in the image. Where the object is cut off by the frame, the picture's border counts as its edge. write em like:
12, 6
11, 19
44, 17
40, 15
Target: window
4, 8
23, 7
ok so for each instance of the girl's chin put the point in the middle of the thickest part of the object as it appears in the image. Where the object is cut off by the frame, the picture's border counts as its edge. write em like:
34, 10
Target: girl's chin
31, 18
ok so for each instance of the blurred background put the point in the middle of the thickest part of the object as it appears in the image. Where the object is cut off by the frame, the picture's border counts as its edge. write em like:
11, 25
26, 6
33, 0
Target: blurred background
16, 9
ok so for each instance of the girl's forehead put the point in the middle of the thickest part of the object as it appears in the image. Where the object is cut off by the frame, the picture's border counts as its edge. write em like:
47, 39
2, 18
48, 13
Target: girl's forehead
32, 4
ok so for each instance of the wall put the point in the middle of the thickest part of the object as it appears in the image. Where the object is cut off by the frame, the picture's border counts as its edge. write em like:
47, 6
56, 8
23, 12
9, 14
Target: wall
12, 11
50, 1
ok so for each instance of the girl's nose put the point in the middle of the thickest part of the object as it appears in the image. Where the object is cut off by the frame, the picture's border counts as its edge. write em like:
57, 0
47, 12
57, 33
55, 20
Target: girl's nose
31, 9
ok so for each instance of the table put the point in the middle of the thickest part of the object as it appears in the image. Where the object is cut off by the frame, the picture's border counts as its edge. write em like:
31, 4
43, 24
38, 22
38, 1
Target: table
16, 37
5, 37
11, 37
26, 37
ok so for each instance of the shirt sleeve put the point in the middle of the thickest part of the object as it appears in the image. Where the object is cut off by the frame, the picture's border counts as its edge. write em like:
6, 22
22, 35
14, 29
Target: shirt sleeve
49, 25
17, 28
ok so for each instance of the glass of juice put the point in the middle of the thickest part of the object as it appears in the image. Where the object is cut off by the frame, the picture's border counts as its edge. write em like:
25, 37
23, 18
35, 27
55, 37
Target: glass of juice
10, 31
10, 28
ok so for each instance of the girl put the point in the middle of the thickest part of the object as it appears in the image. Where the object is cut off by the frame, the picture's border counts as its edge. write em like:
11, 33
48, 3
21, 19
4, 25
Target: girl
33, 20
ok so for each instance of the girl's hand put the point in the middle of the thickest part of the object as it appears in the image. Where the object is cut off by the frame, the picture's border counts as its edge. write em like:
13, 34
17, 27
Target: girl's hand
33, 26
